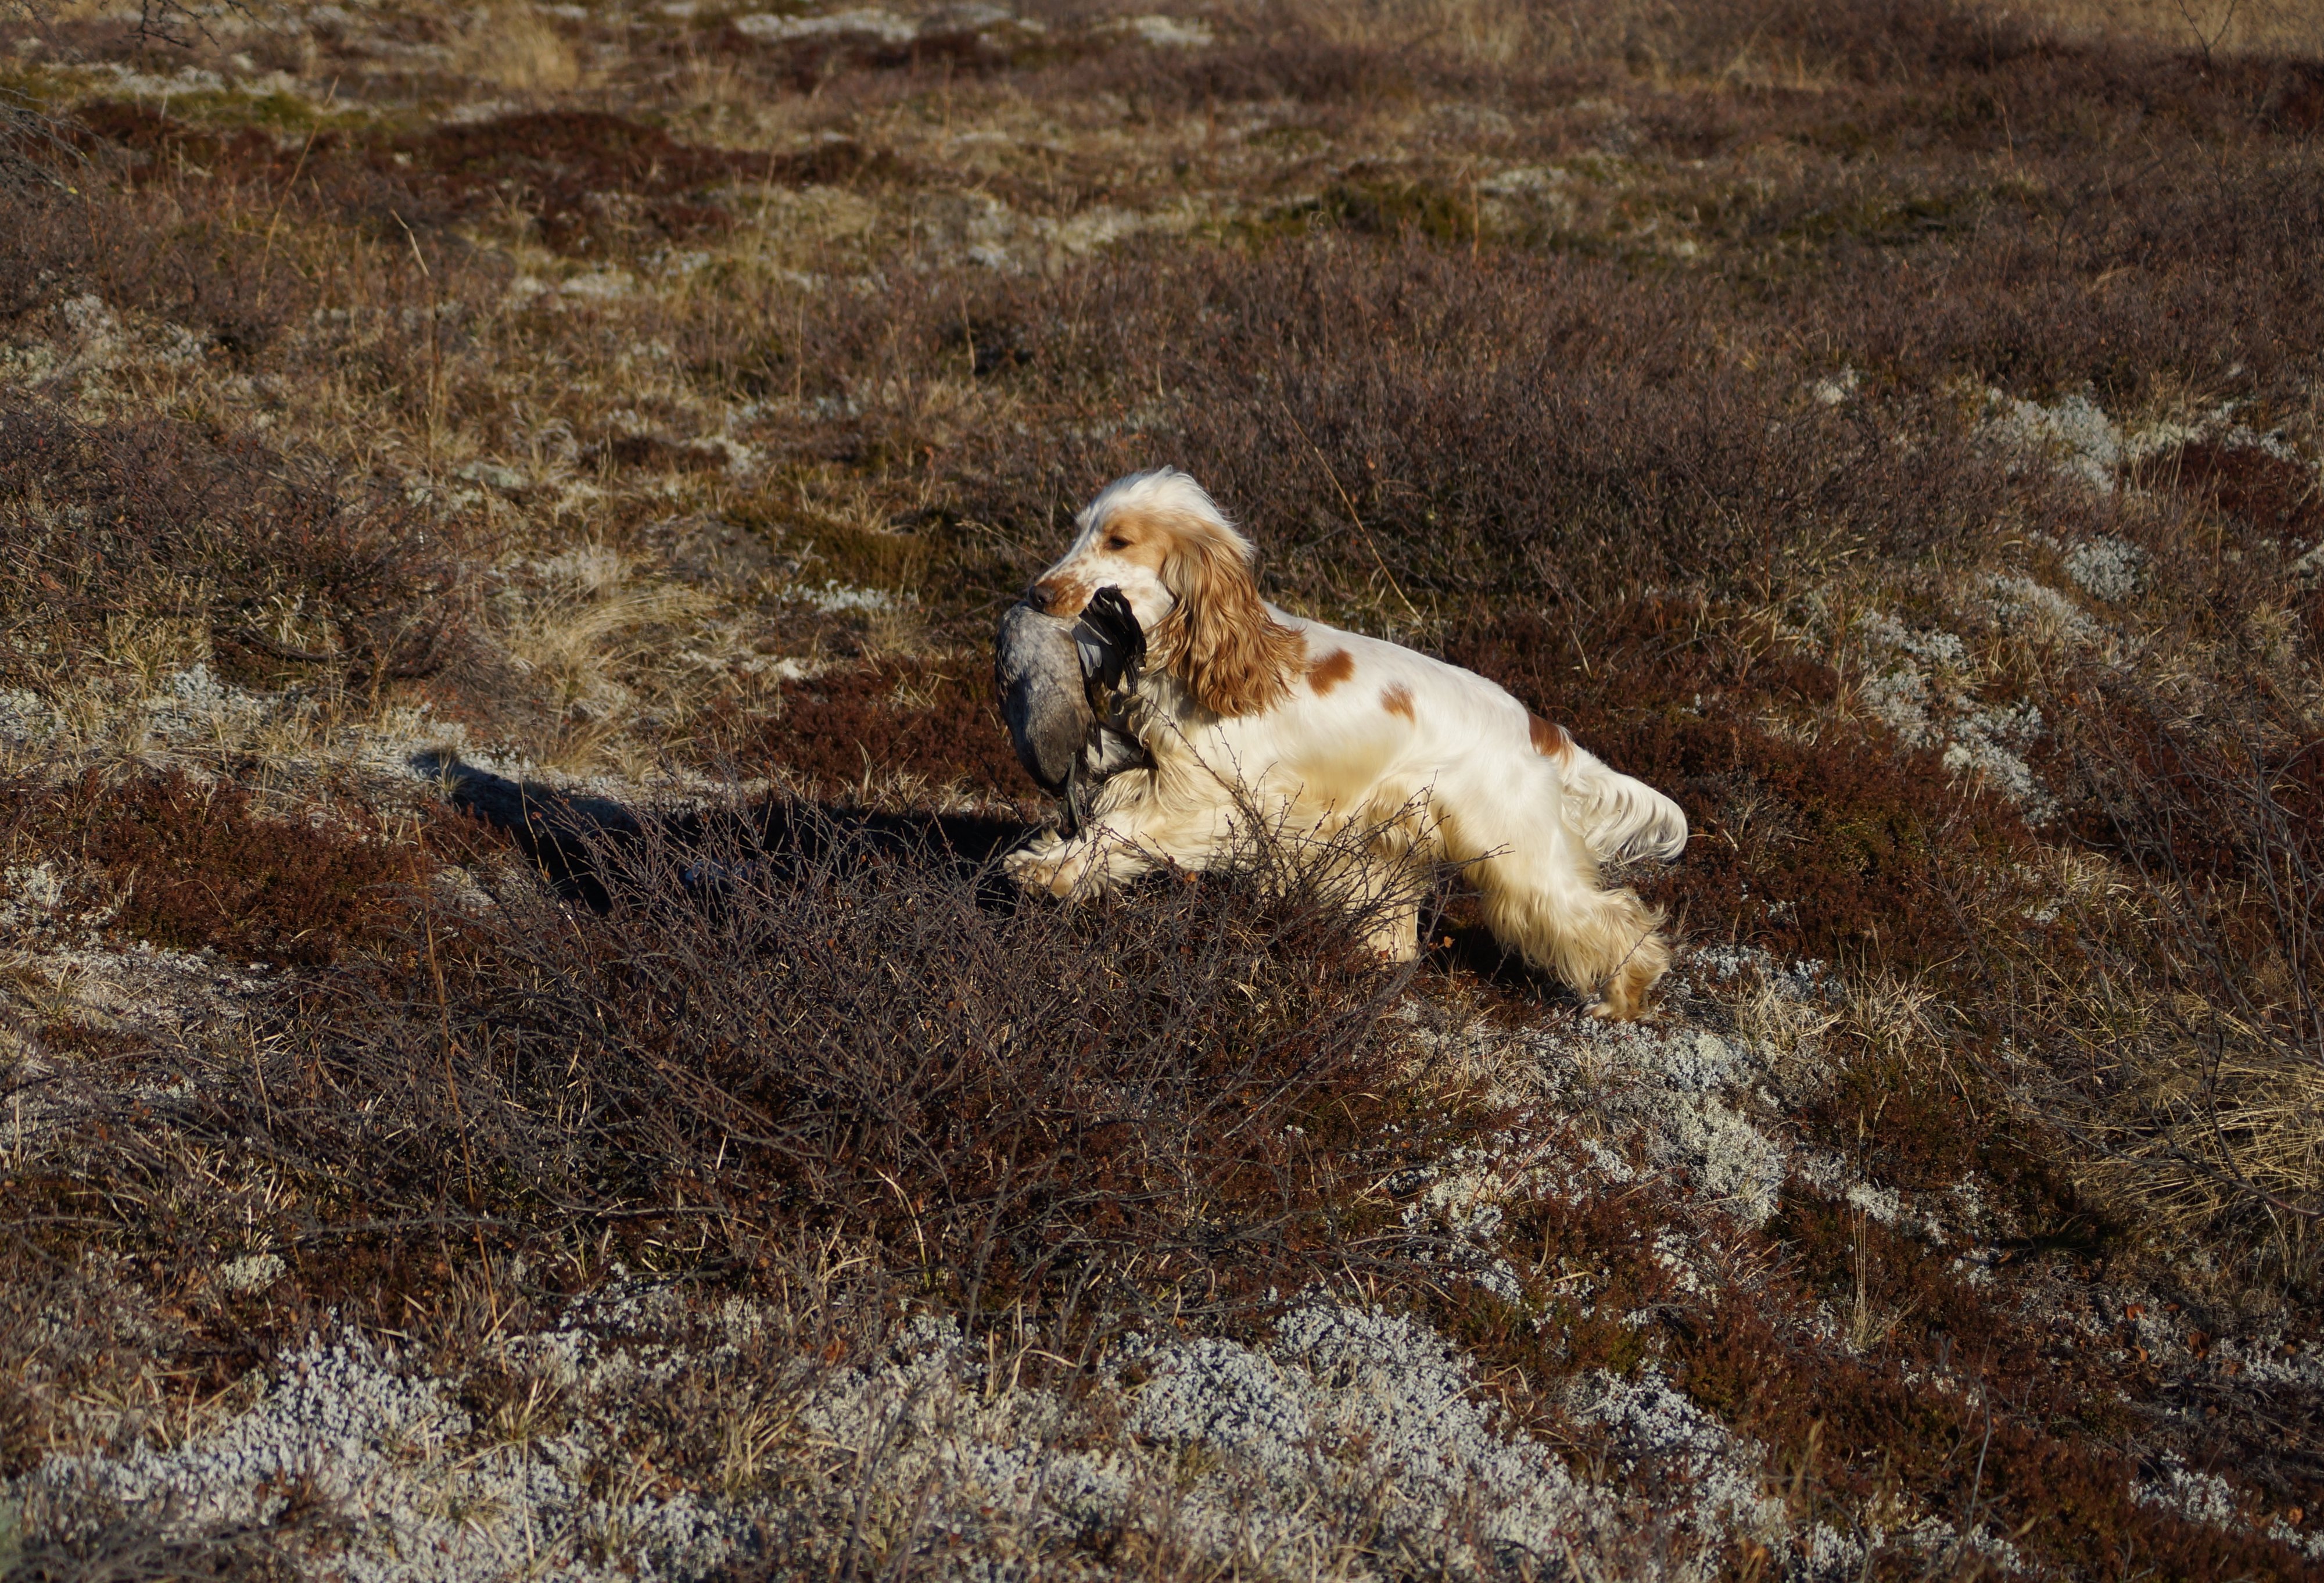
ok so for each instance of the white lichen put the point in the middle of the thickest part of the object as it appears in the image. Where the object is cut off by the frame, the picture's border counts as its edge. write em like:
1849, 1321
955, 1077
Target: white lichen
252, 1273
863, 23
1168, 33
1922, 686
2072, 433
2105, 567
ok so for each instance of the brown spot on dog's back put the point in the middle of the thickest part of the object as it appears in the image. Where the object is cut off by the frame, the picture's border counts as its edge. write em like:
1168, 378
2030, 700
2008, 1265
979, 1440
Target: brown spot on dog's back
1397, 699
1332, 670
1549, 739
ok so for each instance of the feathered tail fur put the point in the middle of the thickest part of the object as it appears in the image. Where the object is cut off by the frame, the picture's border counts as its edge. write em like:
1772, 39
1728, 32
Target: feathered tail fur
1616, 816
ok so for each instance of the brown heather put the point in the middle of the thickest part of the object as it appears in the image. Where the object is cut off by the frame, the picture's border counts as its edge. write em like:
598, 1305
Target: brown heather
671, 409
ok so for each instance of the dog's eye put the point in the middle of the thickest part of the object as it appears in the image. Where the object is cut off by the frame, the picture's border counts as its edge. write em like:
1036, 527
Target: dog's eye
1117, 542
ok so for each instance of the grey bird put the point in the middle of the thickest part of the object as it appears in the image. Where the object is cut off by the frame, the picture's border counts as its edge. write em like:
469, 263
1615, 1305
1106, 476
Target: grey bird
1064, 686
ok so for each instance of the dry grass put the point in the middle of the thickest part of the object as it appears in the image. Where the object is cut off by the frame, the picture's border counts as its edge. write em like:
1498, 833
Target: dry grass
2212, 27
516, 48
2200, 1097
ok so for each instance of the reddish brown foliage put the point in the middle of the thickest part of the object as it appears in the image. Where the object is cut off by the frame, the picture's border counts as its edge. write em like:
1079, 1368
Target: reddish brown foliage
570, 170
1819, 849
585, 177
2260, 492
190, 865
153, 518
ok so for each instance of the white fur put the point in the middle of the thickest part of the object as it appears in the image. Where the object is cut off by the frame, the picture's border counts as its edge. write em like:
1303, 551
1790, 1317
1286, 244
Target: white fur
1419, 758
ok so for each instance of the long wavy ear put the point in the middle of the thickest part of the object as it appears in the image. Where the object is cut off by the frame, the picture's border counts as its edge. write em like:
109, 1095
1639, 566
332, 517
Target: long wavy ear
1233, 656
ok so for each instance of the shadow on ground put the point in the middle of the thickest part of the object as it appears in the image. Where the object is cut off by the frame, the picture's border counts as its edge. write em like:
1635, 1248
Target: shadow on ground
577, 840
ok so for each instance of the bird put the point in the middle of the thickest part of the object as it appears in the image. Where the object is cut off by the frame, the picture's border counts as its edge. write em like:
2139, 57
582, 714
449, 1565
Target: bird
1063, 685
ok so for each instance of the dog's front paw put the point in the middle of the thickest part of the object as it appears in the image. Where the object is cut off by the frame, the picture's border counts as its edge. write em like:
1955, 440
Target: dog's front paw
1039, 868
1393, 942
1623, 998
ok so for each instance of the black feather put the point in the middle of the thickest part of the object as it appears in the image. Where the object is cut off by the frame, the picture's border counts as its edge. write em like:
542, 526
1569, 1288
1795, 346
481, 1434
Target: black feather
1111, 645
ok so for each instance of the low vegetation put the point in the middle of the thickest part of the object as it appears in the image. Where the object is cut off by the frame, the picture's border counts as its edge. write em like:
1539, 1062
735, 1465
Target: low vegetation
517, 1050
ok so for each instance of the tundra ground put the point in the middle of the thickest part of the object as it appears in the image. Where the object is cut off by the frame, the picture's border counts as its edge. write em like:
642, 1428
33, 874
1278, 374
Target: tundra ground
517, 1058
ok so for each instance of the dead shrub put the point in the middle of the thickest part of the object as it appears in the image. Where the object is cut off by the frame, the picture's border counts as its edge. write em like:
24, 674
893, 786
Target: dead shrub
650, 453
131, 251
1174, 1103
31, 142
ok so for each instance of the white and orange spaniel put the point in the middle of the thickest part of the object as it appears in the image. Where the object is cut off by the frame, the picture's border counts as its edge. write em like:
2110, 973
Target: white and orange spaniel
1250, 718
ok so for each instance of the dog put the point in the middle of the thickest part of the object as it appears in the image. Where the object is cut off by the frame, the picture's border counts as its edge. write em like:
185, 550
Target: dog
1249, 718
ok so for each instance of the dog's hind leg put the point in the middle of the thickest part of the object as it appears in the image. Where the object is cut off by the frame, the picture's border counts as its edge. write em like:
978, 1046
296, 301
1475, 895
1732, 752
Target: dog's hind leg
1539, 885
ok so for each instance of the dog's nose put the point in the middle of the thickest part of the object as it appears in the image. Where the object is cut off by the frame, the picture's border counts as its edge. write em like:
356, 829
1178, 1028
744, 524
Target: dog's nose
1056, 595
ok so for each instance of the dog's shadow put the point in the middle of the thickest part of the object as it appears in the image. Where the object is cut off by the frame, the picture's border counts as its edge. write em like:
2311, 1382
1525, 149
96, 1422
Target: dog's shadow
594, 850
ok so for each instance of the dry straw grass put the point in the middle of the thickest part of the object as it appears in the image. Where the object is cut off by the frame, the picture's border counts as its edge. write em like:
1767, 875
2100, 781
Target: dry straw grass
2212, 27
516, 48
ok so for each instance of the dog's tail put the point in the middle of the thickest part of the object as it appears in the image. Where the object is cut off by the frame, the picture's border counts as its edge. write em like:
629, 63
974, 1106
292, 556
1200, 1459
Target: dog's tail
1618, 816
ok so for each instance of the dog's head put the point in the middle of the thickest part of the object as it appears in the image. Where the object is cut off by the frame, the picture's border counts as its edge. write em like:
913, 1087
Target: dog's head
1186, 574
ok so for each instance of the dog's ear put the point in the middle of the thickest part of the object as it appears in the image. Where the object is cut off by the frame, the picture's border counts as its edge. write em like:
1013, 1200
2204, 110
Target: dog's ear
1233, 656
